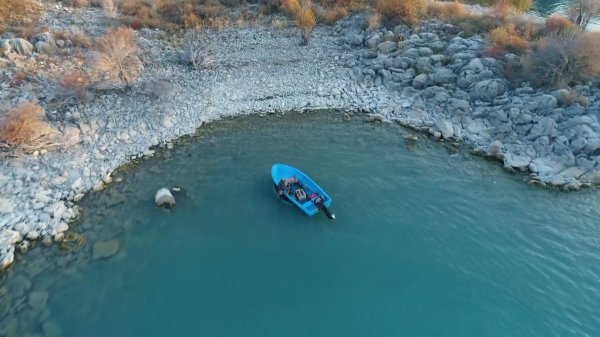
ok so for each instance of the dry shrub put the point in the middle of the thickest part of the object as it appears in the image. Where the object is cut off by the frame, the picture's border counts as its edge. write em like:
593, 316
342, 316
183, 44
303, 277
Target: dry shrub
18, 12
109, 6
73, 85
449, 11
77, 37
560, 60
290, 6
18, 79
115, 61
305, 20
330, 15
401, 11
80, 3
558, 24
583, 11
196, 51
373, 21
507, 38
278, 24
23, 130
504, 8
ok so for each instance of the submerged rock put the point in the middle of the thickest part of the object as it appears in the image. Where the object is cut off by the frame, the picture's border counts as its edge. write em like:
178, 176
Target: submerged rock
105, 249
164, 197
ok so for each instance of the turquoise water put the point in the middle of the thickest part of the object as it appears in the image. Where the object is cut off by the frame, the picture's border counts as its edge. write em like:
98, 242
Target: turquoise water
428, 241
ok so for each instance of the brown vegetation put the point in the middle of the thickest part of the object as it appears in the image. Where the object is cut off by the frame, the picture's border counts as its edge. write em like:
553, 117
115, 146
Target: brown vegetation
330, 15
401, 11
448, 11
507, 38
559, 60
558, 24
80, 3
303, 14
115, 61
73, 85
23, 130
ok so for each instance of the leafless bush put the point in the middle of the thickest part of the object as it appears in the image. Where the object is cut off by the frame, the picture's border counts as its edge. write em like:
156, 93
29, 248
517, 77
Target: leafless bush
583, 11
559, 60
196, 51
23, 131
115, 61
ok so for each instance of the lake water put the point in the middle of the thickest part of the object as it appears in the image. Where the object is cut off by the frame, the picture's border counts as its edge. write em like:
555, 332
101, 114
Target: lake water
428, 241
549, 7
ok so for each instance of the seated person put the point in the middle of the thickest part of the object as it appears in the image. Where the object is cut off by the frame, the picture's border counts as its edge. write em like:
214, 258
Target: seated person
300, 194
286, 184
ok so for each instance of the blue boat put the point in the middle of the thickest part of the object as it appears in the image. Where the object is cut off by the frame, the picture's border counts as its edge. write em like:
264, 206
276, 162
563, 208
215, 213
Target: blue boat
293, 185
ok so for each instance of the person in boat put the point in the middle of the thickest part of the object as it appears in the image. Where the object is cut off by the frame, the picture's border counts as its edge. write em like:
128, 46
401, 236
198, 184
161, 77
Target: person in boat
285, 185
300, 194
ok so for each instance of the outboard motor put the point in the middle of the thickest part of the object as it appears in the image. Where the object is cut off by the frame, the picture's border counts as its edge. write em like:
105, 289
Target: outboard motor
319, 201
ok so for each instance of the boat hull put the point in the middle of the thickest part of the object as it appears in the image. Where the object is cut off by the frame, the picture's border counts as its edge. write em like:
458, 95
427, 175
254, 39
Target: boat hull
281, 171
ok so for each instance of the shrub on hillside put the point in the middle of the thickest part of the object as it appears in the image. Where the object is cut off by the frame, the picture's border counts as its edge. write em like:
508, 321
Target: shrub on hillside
23, 130
196, 51
330, 15
401, 11
115, 60
507, 38
560, 60
73, 85
305, 20
558, 24
449, 11
18, 12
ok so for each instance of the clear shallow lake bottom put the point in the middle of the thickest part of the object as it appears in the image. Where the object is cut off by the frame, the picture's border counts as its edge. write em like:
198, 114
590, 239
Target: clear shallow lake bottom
428, 241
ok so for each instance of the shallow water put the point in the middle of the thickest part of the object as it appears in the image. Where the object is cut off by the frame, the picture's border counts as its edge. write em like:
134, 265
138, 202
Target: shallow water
428, 241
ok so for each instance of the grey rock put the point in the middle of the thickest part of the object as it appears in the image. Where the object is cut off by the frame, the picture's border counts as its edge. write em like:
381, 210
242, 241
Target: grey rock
419, 81
458, 106
38, 300
356, 39
105, 249
443, 76
445, 127
516, 162
543, 102
21, 46
543, 127
44, 48
387, 47
487, 90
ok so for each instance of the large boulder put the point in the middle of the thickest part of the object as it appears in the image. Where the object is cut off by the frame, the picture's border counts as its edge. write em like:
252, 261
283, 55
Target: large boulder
164, 197
546, 126
21, 46
487, 90
543, 102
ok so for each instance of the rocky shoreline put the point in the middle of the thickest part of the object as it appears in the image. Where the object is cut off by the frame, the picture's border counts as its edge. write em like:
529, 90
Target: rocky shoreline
428, 78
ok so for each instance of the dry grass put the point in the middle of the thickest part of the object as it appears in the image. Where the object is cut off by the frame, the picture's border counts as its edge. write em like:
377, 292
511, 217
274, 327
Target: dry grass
401, 11
23, 131
448, 11
115, 61
75, 35
507, 38
109, 6
18, 12
278, 24
80, 3
373, 21
329, 15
